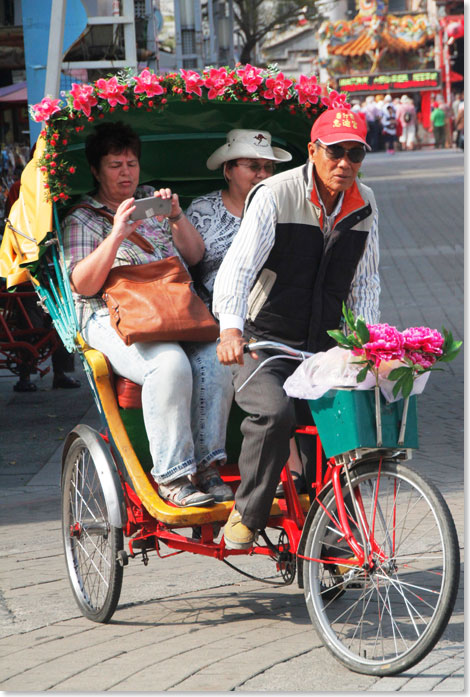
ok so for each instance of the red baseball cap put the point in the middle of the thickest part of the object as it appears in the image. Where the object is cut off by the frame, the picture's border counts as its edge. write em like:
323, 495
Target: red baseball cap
337, 125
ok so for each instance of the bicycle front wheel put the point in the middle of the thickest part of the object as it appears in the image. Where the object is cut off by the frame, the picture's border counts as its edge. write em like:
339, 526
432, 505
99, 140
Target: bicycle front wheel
384, 618
91, 543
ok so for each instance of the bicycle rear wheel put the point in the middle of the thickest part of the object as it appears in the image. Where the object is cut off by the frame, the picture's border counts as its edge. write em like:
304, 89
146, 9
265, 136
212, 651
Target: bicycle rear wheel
383, 620
91, 543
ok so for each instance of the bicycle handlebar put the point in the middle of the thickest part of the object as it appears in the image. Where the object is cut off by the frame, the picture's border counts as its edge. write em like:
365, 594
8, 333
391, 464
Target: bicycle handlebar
291, 353
255, 345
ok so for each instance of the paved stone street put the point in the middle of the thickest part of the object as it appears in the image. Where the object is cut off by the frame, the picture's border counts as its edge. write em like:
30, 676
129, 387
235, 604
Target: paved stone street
188, 623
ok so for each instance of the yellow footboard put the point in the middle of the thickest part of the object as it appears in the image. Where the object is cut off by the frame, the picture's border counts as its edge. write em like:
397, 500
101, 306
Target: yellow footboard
155, 505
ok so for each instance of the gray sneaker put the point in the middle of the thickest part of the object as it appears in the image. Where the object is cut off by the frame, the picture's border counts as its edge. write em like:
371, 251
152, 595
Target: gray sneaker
210, 481
182, 492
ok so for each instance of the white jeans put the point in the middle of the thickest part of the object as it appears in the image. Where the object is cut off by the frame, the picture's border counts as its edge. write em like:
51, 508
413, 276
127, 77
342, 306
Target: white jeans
186, 396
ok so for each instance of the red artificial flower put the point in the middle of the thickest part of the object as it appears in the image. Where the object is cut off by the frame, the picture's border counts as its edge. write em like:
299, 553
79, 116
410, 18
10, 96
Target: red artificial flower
45, 108
72, 170
251, 77
308, 90
148, 83
335, 100
83, 98
217, 81
277, 88
192, 81
111, 90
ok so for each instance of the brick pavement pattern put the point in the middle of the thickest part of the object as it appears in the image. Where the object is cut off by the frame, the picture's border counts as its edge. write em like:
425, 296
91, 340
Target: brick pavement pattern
189, 623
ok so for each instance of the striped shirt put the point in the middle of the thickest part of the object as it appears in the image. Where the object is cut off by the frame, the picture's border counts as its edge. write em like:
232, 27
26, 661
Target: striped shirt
251, 248
83, 231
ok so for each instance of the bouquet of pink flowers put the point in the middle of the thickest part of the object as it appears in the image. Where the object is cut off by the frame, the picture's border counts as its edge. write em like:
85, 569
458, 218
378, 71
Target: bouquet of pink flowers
416, 350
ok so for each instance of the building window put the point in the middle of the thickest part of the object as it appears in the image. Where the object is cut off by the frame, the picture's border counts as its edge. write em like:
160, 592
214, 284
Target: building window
397, 6
7, 13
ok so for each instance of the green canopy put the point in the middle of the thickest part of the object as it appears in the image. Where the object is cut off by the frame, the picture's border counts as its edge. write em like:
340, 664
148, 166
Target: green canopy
177, 141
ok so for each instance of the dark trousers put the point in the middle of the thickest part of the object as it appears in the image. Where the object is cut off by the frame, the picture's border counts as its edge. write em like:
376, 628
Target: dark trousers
266, 433
439, 136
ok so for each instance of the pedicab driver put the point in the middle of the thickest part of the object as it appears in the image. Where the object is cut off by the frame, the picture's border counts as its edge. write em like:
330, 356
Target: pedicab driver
308, 241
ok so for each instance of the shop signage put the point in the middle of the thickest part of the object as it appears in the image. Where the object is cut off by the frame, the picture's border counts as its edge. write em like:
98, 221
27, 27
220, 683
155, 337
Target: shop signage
389, 82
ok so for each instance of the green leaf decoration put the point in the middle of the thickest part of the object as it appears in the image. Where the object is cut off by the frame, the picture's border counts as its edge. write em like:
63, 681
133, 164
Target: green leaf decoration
361, 376
348, 317
355, 343
337, 335
398, 372
450, 356
362, 331
407, 385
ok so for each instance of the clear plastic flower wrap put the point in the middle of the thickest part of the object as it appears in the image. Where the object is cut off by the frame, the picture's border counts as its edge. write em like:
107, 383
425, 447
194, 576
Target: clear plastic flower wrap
337, 367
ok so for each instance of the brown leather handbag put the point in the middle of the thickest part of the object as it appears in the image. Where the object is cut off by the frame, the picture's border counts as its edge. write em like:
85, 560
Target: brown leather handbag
156, 302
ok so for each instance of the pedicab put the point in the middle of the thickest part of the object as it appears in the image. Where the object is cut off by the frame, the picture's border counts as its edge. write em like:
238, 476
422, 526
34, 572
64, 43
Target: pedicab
373, 544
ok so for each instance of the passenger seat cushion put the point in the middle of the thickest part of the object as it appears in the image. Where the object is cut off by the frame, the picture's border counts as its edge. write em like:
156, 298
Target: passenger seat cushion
129, 394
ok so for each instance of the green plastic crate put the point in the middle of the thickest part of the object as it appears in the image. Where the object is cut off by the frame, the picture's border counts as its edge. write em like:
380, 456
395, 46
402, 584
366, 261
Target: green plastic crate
345, 420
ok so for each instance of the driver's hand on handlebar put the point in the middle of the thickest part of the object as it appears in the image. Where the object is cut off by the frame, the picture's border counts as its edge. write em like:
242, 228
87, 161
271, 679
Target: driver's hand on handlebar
230, 347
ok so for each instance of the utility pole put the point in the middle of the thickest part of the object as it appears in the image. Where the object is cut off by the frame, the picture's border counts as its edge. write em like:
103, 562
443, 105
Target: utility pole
55, 49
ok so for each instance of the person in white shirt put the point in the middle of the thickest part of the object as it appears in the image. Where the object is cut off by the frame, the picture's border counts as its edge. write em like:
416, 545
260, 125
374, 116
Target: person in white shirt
307, 243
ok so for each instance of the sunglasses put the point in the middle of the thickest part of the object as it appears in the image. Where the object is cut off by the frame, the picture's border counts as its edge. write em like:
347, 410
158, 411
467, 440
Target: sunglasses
337, 152
256, 168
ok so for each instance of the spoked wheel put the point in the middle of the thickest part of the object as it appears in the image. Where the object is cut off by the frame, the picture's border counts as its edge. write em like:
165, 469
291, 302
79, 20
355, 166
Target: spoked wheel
91, 544
384, 618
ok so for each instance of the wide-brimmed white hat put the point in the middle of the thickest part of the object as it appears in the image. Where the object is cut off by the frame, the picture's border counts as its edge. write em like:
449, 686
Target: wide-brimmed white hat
244, 143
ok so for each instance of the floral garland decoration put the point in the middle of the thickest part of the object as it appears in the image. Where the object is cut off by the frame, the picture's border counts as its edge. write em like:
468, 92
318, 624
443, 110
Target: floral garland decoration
416, 349
90, 102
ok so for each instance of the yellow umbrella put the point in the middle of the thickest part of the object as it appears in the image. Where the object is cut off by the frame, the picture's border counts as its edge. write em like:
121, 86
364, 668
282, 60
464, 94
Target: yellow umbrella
30, 220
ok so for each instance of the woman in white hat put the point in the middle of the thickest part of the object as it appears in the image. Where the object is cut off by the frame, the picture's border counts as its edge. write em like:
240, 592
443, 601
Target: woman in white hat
247, 157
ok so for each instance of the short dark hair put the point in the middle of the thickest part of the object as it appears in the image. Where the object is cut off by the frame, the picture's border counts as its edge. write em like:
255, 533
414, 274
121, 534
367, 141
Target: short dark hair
110, 138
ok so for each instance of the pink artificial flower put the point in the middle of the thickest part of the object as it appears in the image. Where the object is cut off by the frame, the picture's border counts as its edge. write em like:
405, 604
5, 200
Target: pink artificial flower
335, 100
423, 339
45, 108
277, 88
83, 98
251, 77
111, 90
421, 359
193, 81
217, 82
149, 83
385, 344
308, 89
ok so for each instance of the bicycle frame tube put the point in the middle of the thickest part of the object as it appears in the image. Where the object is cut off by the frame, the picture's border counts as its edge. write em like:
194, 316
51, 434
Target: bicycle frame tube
342, 524
343, 516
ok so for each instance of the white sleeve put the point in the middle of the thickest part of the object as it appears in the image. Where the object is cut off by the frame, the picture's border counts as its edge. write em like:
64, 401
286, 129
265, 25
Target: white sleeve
364, 295
246, 256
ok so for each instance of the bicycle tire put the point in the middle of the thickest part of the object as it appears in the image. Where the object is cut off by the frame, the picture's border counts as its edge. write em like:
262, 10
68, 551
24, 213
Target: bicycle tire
384, 620
91, 543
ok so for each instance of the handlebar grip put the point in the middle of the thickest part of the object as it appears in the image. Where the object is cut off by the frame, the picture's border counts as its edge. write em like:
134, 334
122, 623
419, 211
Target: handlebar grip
246, 348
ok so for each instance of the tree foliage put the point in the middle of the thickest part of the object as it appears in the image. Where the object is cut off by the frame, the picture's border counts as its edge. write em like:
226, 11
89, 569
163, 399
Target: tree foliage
254, 19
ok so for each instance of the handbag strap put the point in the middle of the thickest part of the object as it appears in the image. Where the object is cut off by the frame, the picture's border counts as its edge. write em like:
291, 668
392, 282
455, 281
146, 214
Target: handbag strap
134, 237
